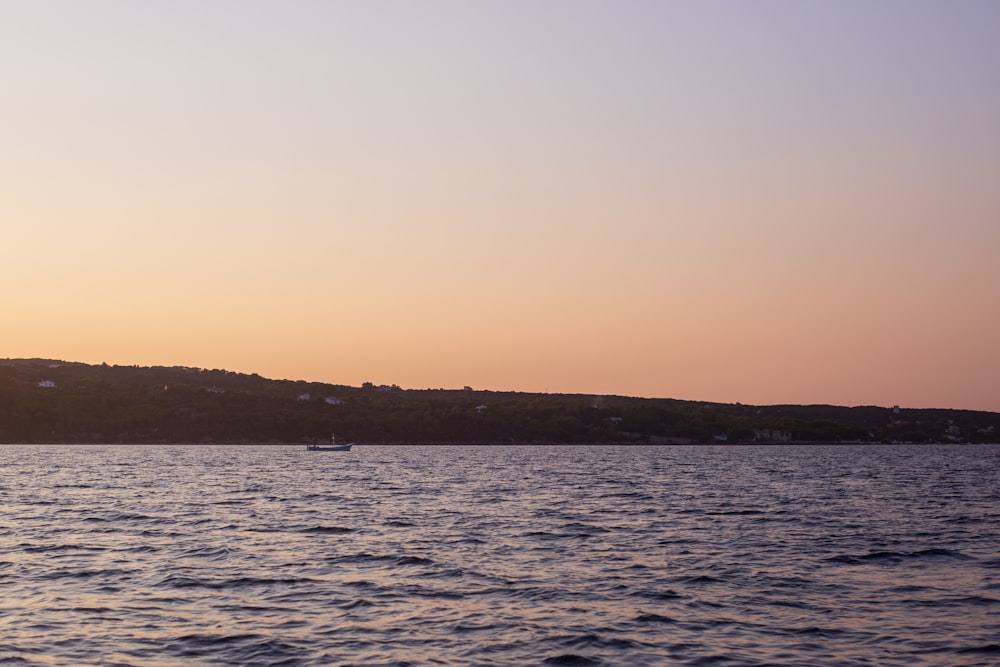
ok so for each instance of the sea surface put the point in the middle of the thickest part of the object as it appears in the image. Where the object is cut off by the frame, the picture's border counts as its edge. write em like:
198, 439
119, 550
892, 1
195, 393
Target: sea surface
698, 555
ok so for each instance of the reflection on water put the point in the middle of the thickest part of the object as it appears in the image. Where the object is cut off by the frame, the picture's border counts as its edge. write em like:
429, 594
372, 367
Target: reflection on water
497, 556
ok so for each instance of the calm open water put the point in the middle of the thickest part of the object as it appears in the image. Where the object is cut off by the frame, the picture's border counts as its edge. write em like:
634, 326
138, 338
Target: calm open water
187, 555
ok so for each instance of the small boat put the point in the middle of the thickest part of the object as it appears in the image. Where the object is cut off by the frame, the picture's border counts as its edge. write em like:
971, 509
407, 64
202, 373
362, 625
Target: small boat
332, 447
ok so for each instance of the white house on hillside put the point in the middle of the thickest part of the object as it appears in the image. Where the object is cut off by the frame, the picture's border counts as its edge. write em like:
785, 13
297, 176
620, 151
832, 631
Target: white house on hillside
48, 384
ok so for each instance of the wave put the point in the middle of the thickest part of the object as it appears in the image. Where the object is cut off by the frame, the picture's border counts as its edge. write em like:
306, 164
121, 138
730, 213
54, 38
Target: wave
210, 553
987, 649
815, 631
327, 530
572, 660
596, 641
111, 574
243, 649
665, 595
357, 604
181, 581
896, 556
577, 532
653, 618
699, 580
55, 548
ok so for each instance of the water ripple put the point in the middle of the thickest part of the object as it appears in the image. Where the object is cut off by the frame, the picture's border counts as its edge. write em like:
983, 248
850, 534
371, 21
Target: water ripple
118, 555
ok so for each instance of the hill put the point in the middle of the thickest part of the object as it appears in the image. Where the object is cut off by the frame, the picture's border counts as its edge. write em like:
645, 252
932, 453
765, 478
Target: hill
49, 401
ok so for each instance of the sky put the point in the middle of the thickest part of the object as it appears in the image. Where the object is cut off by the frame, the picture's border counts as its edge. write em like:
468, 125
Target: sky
760, 202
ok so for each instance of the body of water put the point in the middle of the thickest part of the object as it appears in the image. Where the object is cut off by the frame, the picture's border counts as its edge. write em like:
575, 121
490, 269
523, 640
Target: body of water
714, 555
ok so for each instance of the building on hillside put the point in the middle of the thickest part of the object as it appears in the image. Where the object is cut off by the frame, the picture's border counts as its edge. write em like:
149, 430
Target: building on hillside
333, 400
48, 384
771, 435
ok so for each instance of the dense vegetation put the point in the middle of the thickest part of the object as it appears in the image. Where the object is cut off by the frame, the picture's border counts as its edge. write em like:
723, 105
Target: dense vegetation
52, 401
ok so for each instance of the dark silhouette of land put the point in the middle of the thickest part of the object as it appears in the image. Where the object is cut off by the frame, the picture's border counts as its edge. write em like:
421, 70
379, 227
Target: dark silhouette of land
48, 401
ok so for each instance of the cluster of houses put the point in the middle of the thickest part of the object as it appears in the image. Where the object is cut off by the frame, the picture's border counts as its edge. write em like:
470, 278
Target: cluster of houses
771, 435
329, 400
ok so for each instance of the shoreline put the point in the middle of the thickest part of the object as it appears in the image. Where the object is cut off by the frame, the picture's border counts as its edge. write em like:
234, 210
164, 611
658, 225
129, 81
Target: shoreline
620, 443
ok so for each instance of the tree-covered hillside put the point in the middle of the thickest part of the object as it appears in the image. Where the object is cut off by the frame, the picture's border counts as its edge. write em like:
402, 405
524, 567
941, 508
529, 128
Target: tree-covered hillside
44, 401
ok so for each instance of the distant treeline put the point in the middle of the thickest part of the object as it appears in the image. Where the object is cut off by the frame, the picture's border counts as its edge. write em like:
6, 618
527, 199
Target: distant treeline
45, 401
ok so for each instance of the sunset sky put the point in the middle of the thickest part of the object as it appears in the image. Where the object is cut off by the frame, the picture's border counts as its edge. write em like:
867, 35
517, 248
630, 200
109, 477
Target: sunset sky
758, 202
